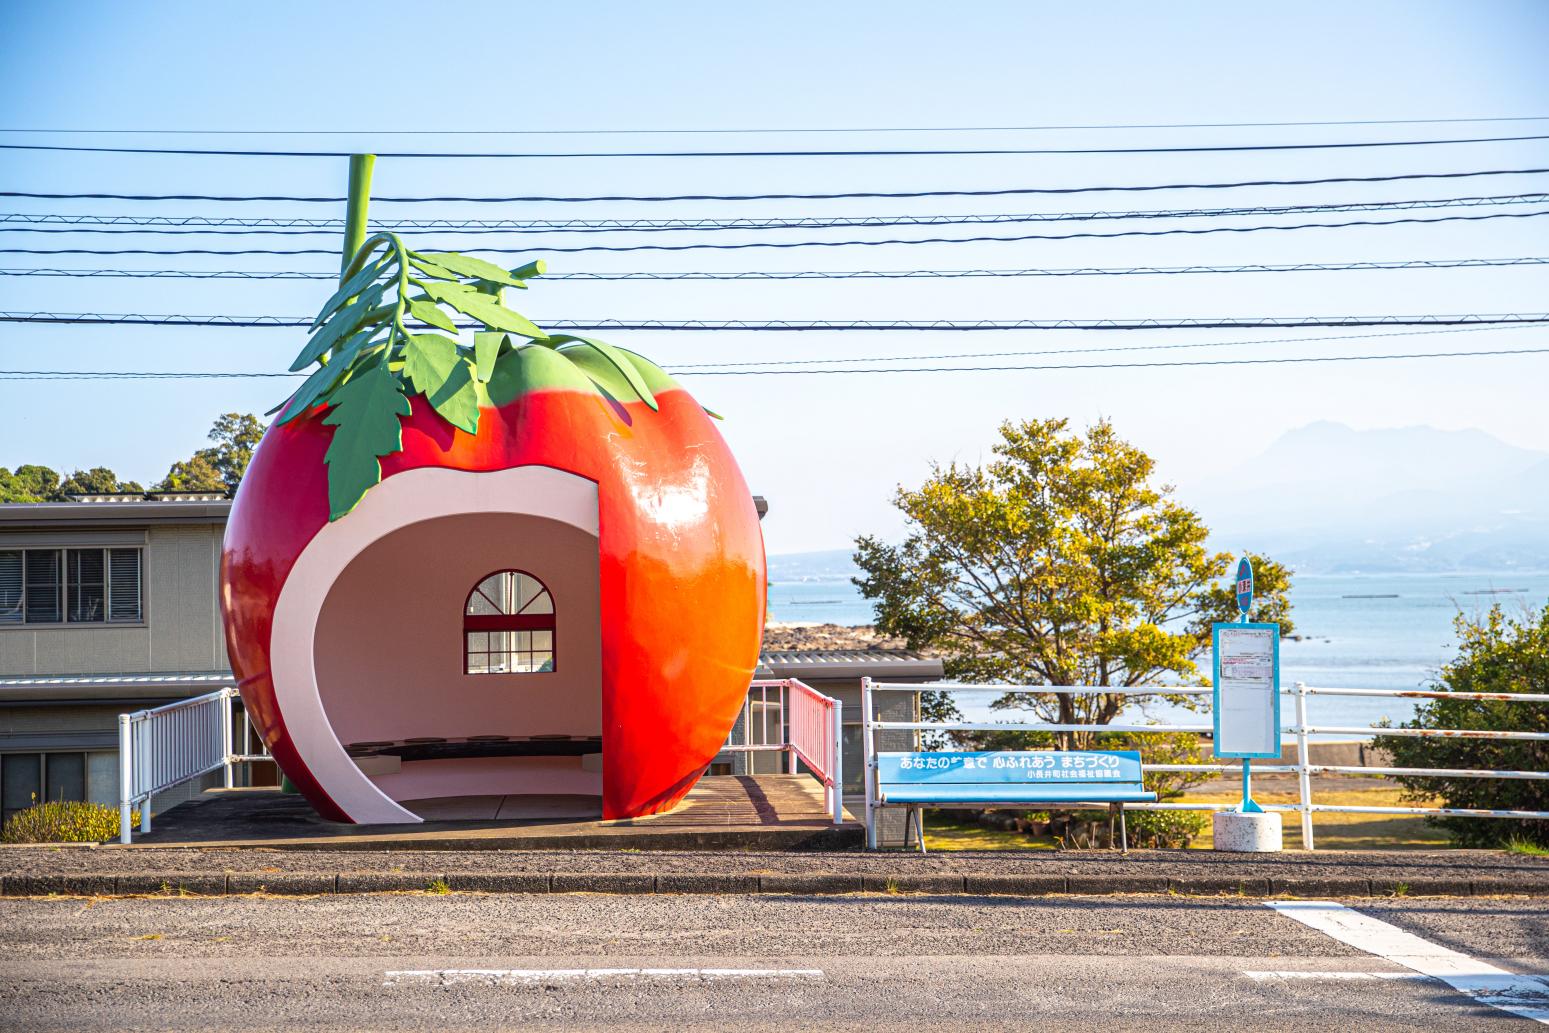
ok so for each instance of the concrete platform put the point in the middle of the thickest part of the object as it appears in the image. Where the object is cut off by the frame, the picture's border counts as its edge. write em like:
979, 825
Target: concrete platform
725, 812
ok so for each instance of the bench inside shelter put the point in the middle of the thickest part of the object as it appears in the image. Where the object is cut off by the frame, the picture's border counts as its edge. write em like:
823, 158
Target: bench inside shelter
436, 748
1054, 779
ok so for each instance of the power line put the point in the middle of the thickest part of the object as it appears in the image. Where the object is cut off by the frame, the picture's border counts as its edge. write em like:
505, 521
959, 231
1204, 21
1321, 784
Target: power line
729, 132
1281, 360
185, 225
834, 274
890, 153
848, 195
805, 243
788, 326
1187, 346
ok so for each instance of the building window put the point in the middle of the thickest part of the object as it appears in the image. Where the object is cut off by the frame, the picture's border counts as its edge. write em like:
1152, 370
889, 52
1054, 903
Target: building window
33, 778
508, 625
70, 586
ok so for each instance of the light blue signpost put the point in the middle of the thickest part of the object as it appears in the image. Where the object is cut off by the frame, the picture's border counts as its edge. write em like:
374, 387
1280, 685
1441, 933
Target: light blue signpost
1246, 680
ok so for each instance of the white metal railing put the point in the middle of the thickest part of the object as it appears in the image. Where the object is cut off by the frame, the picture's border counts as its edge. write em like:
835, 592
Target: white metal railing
807, 727
166, 746
1301, 731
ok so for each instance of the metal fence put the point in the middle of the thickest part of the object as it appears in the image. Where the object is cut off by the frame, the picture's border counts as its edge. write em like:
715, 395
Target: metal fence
1300, 731
164, 747
786, 715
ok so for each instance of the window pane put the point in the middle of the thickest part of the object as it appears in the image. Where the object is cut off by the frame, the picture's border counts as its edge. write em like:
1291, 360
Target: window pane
65, 776
124, 584
86, 590
10, 586
534, 597
543, 662
486, 597
526, 588
21, 783
41, 569
543, 640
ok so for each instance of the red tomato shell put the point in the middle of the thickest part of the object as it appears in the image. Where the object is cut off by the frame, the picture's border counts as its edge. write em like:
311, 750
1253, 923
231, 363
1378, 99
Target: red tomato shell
682, 586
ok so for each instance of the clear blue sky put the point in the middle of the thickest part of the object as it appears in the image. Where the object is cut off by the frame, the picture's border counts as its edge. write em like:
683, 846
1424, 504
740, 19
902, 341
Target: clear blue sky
826, 450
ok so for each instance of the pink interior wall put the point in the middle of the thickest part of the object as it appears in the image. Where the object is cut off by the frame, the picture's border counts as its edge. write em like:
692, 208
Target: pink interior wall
389, 653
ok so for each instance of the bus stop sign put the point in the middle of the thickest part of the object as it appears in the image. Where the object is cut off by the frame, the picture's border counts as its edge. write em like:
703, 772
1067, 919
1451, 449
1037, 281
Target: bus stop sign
1244, 586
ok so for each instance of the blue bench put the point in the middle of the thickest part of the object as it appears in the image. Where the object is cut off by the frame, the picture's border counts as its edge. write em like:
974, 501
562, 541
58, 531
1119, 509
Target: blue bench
1064, 779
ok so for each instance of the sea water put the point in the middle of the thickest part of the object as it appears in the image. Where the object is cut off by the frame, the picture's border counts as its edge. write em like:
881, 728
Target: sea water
1376, 631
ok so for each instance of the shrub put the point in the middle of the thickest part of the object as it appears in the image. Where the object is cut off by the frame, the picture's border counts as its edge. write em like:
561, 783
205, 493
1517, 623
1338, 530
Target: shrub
1495, 654
63, 821
1165, 828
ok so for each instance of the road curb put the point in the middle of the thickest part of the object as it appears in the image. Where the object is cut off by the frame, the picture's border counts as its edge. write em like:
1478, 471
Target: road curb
177, 884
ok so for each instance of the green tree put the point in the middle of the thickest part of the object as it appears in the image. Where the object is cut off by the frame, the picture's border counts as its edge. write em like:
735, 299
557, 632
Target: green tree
29, 484
196, 473
221, 466
99, 480
1496, 654
1060, 562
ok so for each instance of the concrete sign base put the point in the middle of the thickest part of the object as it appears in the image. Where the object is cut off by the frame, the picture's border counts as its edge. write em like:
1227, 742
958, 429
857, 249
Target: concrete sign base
1247, 833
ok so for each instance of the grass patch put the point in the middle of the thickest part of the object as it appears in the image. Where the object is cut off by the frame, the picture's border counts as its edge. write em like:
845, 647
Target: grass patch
438, 887
1526, 848
1346, 831
948, 830
951, 832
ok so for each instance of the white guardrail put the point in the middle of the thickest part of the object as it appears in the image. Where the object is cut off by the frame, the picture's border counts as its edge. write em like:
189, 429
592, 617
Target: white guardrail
786, 715
164, 747
1300, 731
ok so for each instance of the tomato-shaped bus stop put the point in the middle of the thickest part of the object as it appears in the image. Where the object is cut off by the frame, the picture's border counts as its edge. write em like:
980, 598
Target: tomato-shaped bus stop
524, 569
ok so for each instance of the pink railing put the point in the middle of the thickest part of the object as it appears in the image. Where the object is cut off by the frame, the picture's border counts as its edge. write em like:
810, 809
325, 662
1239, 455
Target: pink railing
789, 716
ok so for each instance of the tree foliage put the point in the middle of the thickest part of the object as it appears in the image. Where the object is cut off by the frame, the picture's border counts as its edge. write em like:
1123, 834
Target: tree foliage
217, 468
1060, 562
99, 480
29, 483
1496, 654
32, 483
221, 466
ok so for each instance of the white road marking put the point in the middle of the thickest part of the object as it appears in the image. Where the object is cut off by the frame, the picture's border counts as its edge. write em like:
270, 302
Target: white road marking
1261, 977
1527, 996
535, 976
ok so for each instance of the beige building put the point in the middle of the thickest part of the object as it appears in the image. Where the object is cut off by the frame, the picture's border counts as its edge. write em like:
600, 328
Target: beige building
107, 604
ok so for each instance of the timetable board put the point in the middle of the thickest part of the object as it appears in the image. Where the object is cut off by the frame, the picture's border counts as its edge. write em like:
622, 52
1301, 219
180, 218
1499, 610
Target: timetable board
1246, 678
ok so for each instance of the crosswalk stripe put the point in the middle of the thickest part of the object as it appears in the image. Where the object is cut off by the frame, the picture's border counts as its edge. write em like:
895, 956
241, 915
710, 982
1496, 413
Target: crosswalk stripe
1527, 996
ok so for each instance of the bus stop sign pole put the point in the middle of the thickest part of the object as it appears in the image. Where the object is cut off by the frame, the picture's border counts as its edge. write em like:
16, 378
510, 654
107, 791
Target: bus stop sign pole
1244, 607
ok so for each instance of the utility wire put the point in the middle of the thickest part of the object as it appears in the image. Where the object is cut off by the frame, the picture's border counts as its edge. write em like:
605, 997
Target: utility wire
786, 326
896, 194
1187, 346
890, 153
805, 243
1285, 360
834, 274
185, 225
728, 132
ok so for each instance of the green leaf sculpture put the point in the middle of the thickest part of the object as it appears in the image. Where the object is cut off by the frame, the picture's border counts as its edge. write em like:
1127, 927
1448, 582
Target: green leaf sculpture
374, 346
365, 418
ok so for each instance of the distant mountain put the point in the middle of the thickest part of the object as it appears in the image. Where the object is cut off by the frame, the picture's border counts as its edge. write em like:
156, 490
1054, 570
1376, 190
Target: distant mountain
1330, 499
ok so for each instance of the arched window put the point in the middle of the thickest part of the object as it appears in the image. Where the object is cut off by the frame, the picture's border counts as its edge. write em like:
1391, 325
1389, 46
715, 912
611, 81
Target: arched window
508, 625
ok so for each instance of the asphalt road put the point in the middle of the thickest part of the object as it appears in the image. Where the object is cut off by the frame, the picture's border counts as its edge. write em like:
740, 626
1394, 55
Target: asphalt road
454, 962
